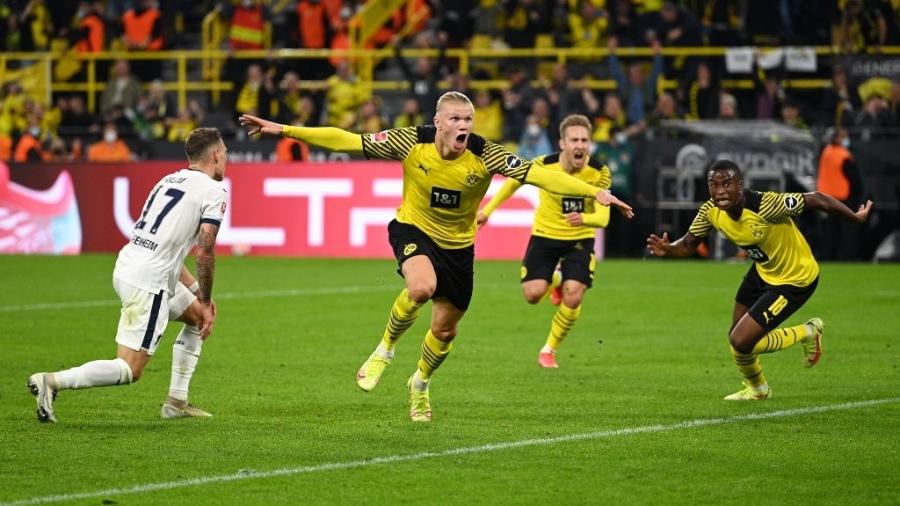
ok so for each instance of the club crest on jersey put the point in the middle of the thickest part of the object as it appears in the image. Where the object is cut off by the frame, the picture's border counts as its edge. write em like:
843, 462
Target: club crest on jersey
513, 161
409, 249
380, 136
791, 202
471, 179
757, 231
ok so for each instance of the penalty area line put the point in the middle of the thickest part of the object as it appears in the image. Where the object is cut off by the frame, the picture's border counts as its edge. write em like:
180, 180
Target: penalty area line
469, 450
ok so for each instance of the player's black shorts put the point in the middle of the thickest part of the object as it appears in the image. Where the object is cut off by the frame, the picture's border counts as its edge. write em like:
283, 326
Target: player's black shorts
770, 305
576, 259
455, 268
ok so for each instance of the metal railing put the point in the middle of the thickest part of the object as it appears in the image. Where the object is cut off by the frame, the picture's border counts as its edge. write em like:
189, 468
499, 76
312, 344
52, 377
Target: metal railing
363, 59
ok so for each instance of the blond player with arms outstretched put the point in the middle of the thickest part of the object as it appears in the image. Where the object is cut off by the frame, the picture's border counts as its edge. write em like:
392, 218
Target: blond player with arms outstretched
563, 233
446, 172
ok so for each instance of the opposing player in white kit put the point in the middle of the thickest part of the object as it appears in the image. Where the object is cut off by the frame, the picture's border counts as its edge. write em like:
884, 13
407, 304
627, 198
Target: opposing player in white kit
184, 208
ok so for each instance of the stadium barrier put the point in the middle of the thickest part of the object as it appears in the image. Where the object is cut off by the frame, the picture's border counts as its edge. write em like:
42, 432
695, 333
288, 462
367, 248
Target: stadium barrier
301, 209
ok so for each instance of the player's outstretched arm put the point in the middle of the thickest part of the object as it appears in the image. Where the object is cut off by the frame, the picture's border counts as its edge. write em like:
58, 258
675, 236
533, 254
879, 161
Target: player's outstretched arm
684, 247
506, 191
831, 205
330, 138
564, 184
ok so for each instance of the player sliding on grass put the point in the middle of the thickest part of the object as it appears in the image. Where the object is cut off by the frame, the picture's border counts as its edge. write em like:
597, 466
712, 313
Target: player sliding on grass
563, 232
150, 278
446, 172
782, 278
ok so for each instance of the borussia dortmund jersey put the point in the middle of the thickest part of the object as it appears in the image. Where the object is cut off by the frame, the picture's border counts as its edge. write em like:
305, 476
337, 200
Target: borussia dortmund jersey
441, 197
767, 233
550, 217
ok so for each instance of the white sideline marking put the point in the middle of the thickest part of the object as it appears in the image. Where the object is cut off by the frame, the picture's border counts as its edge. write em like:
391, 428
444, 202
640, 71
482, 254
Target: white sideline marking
338, 466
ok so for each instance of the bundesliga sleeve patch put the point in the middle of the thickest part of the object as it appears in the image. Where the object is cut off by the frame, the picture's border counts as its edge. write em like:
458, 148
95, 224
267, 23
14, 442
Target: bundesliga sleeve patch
379, 137
791, 202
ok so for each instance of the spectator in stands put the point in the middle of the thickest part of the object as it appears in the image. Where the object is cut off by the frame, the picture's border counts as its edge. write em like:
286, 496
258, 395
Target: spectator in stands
588, 24
257, 92
156, 109
410, 115
142, 30
314, 21
534, 141
523, 21
874, 120
517, 100
6, 145
110, 148
291, 150
423, 79
57, 151
838, 102
122, 90
12, 110
490, 115
90, 36
700, 96
611, 116
559, 92
76, 121
770, 95
678, 27
617, 153
295, 104
248, 24
790, 115
638, 89
728, 107
181, 125
343, 97
33, 26
721, 20
863, 26
29, 147
490, 14
370, 120
456, 20
666, 109
623, 23
839, 177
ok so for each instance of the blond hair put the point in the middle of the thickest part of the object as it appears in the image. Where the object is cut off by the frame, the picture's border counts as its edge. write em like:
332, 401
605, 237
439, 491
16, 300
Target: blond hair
453, 96
575, 120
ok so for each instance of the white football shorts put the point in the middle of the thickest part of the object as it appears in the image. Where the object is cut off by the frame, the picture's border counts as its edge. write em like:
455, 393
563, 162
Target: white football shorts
143, 317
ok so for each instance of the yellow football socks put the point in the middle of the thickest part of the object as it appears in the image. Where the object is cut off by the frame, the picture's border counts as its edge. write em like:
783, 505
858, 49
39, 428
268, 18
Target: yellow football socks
563, 321
749, 367
403, 315
434, 351
780, 339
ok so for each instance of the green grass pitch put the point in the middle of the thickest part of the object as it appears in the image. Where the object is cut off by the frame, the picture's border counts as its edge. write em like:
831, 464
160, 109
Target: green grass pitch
634, 415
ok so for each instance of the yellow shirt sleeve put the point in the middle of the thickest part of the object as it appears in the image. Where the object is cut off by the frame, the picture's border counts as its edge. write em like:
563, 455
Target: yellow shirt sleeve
559, 183
330, 138
506, 191
598, 219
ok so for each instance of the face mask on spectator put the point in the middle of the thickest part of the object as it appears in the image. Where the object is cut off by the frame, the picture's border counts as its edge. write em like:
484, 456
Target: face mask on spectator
846, 142
35, 131
621, 138
110, 136
534, 130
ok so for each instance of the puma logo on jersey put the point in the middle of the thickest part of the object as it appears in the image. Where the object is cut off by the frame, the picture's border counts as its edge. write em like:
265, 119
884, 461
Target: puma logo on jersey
424, 169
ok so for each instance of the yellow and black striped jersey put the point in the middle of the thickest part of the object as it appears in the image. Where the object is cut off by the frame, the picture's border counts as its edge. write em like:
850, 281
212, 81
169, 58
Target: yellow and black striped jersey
767, 233
441, 197
550, 217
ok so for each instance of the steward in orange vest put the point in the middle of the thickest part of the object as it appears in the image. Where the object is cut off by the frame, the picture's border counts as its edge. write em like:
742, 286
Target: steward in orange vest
248, 25
143, 27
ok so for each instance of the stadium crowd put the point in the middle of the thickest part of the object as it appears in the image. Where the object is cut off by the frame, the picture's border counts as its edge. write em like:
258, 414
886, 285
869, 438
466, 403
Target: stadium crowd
135, 106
